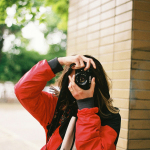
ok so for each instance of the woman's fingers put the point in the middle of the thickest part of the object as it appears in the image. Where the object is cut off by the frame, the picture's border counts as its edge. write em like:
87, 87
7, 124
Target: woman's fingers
82, 63
92, 87
87, 65
70, 85
73, 84
89, 61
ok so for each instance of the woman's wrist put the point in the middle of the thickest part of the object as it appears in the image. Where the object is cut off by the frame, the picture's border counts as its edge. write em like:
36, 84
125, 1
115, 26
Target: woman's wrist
60, 60
86, 103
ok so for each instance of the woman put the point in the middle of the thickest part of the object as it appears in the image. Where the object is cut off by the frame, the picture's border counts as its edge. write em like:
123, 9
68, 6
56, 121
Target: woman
73, 118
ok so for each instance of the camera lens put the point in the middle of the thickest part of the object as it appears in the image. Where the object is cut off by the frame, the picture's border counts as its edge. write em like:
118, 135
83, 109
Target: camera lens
82, 79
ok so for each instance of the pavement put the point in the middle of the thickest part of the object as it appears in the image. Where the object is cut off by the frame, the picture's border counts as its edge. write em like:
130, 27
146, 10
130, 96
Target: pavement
18, 129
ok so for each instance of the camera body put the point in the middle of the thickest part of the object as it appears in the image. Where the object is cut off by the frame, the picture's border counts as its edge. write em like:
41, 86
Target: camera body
83, 78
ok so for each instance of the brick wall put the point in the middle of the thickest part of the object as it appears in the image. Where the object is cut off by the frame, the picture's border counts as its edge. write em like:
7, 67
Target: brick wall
139, 117
113, 31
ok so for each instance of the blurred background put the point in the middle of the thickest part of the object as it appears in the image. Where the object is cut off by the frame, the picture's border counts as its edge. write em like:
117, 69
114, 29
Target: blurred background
30, 31
116, 32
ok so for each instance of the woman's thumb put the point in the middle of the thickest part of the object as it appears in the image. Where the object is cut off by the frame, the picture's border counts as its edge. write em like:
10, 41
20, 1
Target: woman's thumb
93, 84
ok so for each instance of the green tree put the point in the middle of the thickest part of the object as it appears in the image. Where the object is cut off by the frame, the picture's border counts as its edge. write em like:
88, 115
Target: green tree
18, 60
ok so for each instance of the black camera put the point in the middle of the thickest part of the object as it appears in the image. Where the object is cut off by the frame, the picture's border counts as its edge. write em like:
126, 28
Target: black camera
83, 78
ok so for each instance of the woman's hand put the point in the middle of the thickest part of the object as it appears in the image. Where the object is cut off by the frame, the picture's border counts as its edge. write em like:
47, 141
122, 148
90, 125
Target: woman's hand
78, 60
79, 93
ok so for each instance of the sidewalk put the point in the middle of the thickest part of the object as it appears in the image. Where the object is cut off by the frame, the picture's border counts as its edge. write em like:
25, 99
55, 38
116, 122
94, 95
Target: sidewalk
18, 129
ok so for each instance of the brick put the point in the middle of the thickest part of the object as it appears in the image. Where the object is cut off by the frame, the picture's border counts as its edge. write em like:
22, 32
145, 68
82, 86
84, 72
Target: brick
139, 104
124, 123
139, 134
82, 17
106, 40
124, 113
94, 4
123, 17
93, 36
141, 25
69, 53
91, 1
82, 52
72, 28
72, 2
122, 143
72, 42
139, 144
93, 44
106, 57
120, 93
81, 25
124, 8
71, 35
146, 1
106, 49
72, 7
107, 31
121, 65
126, 35
81, 32
82, 3
94, 12
121, 103
141, 35
81, 39
123, 133
138, 44
104, 1
141, 15
122, 55
94, 20
143, 55
109, 74
92, 51
140, 74
71, 48
93, 28
139, 124
140, 94
82, 46
72, 21
141, 5
123, 26
107, 23
73, 15
108, 5
82, 10
125, 45
121, 74
108, 14
143, 65
120, 2
121, 84
118, 148
107, 65
139, 114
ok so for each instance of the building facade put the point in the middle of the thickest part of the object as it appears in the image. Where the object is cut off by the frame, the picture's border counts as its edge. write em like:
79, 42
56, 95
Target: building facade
117, 33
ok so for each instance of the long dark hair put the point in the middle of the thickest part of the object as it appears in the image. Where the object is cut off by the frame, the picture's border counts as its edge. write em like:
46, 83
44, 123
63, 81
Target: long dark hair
66, 101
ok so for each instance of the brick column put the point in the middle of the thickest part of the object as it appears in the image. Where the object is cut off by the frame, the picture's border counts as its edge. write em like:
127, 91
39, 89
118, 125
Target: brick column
117, 33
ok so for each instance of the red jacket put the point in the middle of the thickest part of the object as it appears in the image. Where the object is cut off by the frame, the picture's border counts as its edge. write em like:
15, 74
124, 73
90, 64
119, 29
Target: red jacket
91, 132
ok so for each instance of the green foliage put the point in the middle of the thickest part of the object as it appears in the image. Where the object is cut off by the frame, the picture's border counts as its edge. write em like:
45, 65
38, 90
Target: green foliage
60, 7
14, 65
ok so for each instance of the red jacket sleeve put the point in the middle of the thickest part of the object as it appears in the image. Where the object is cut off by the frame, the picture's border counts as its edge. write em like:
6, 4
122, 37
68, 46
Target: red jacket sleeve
90, 134
41, 105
